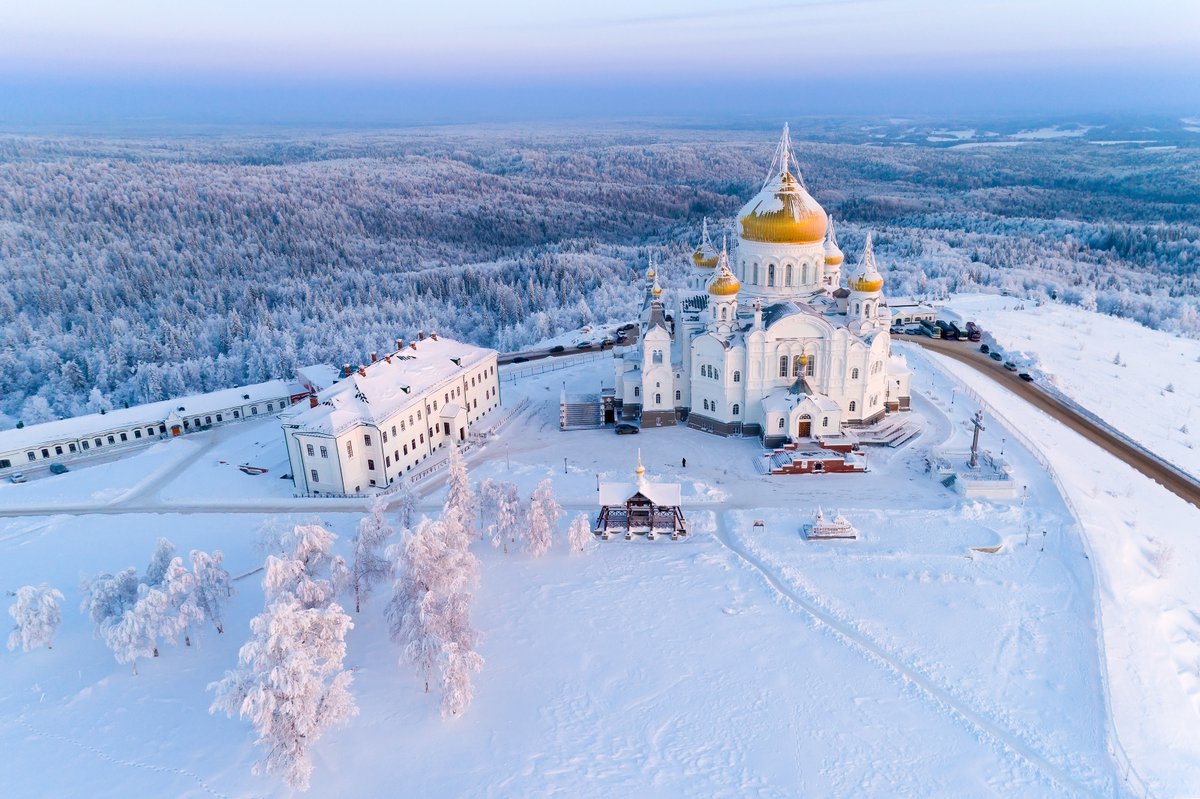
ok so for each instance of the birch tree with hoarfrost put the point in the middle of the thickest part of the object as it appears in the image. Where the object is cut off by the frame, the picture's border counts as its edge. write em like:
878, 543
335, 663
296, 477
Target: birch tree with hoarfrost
370, 565
290, 683
544, 513
37, 612
213, 586
579, 534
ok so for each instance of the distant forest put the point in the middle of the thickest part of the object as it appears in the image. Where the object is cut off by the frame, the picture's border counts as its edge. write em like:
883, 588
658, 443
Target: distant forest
135, 270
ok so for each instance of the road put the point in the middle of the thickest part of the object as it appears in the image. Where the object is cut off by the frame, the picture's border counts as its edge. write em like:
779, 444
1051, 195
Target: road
623, 338
1141, 460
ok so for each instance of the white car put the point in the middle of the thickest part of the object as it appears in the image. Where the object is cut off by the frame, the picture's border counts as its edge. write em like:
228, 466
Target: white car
18, 477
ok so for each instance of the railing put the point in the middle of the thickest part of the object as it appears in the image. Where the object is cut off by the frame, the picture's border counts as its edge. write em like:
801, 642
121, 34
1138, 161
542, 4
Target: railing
1132, 778
554, 364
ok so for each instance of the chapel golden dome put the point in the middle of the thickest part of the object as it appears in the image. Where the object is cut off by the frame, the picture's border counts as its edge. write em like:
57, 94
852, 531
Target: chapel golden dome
705, 260
724, 284
783, 213
866, 277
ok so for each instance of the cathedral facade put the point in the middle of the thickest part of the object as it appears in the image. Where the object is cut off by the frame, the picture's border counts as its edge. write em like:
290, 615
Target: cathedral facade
769, 339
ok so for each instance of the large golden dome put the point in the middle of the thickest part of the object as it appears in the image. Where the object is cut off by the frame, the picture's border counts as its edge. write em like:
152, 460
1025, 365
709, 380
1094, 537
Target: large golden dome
784, 213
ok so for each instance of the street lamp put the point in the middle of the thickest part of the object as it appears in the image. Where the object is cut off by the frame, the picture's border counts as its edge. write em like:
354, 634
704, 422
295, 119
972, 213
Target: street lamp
1001, 446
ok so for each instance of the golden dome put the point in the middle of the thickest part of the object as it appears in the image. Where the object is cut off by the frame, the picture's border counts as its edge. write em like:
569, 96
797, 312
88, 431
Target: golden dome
834, 258
705, 260
650, 273
866, 284
866, 277
725, 284
784, 213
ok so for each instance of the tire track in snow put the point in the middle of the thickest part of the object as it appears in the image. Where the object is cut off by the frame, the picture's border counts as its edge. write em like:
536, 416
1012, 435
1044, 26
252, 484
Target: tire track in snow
982, 723
120, 762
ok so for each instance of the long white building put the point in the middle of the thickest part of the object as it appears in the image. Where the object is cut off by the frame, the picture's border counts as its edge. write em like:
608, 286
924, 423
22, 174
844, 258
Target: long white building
767, 341
379, 422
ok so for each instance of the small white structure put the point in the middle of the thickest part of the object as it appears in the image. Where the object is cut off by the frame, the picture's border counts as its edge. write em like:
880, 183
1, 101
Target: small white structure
822, 528
641, 508
382, 419
907, 311
81, 437
974, 474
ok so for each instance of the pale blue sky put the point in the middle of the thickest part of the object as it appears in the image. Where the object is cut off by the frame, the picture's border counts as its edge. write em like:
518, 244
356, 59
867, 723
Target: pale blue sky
1053, 47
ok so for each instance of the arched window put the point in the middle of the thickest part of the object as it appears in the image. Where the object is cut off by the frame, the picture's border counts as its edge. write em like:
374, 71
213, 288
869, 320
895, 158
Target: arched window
804, 275
736, 409
706, 405
824, 421
724, 310
771, 275
854, 373
787, 275
715, 374
658, 399
795, 366
737, 377
658, 356
808, 368
853, 406
637, 391
678, 396
781, 423
783, 366
755, 281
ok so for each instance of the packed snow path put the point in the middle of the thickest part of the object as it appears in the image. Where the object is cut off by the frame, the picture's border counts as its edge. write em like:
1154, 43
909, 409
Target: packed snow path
877, 653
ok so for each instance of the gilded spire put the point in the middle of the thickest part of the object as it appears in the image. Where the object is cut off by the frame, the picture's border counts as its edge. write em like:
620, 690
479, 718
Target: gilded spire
866, 274
705, 255
784, 161
640, 471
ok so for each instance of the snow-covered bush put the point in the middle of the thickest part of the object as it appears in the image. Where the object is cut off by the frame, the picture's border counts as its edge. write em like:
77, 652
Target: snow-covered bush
37, 612
544, 513
579, 534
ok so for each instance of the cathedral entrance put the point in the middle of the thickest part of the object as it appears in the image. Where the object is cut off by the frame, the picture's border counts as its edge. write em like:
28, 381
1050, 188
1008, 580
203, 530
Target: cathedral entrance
805, 427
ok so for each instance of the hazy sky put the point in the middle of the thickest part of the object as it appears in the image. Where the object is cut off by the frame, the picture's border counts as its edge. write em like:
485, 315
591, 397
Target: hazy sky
642, 55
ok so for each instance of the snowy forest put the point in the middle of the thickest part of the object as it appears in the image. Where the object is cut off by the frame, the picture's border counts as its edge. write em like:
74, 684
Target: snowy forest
135, 270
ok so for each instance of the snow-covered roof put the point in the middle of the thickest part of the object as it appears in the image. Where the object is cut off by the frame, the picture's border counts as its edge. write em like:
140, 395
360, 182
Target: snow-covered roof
151, 413
317, 377
665, 494
390, 384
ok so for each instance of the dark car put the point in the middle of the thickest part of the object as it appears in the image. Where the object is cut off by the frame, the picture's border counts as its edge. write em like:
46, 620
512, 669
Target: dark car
58, 468
626, 429
1010, 366
1028, 378
985, 349
557, 348
995, 356
519, 360
584, 345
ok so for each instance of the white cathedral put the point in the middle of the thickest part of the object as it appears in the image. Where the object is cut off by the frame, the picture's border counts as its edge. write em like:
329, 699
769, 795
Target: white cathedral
766, 340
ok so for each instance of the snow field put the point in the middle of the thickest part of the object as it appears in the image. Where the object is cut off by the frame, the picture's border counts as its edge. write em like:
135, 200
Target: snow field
640, 669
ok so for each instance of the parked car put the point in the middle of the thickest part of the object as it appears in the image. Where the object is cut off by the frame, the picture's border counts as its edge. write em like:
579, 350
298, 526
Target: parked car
58, 468
974, 332
1010, 366
584, 345
627, 429
995, 356
557, 348
985, 349
1028, 378
519, 360
17, 477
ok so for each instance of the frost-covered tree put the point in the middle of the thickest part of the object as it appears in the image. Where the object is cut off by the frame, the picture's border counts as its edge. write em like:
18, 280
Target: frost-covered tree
136, 632
309, 571
544, 513
405, 503
164, 553
509, 514
370, 565
579, 534
213, 586
37, 612
180, 586
459, 513
290, 683
457, 690
106, 597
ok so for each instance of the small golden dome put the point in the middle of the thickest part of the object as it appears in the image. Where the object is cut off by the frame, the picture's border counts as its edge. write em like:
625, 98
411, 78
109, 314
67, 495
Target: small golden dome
866, 277
834, 257
705, 260
866, 284
657, 290
650, 273
724, 285
784, 213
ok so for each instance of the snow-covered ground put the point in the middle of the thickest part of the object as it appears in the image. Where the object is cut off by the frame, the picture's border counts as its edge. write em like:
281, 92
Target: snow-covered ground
732, 663
1151, 396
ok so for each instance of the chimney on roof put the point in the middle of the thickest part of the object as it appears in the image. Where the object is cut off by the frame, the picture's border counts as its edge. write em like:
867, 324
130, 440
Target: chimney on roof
387, 358
420, 335
373, 358
433, 336
399, 344
413, 345
362, 372
312, 400
346, 370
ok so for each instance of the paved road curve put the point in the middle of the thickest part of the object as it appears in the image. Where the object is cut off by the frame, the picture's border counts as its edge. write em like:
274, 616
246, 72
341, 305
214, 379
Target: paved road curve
1139, 459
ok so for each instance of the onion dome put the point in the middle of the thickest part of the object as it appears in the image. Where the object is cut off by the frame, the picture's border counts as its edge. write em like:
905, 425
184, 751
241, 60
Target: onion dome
724, 282
866, 277
650, 273
783, 212
706, 255
833, 253
657, 290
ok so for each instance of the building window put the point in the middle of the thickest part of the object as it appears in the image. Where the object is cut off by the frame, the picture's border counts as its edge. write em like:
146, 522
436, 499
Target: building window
254, 410
678, 396
737, 377
32, 456
349, 449
795, 366
311, 452
787, 275
853, 406
315, 479
83, 444
422, 438
854, 374
97, 442
824, 421
367, 439
58, 450
808, 368
781, 423
384, 434
220, 418
706, 405
406, 449
736, 409
387, 461
394, 430
124, 437
370, 464
324, 452
637, 391
137, 433
771, 275
111, 440
208, 420
783, 365
270, 407
658, 399
755, 281
237, 414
